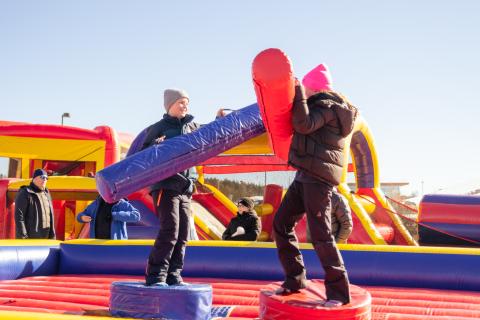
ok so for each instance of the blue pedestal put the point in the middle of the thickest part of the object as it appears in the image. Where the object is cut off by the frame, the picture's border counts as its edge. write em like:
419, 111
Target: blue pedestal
134, 299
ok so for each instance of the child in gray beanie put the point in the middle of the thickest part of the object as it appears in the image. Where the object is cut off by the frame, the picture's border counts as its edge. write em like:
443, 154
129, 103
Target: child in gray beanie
171, 196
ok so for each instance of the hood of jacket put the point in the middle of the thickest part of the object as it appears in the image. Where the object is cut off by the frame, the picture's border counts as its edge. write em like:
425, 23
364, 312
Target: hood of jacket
345, 112
32, 188
247, 214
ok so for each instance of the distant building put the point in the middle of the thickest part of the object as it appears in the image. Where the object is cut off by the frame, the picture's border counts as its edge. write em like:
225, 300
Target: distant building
399, 191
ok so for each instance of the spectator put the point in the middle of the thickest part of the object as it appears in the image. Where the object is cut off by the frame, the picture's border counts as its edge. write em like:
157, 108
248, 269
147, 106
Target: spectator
246, 225
341, 219
34, 210
109, 220
342, 223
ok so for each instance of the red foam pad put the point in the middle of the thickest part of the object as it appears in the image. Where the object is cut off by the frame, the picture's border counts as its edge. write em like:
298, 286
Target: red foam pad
307, 304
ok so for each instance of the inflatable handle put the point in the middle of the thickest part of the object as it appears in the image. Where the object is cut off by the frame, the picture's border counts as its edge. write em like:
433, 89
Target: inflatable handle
274, 84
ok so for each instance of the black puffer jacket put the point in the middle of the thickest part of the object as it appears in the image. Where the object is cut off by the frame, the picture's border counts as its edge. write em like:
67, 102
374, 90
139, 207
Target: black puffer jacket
321, 125
28, 214
248, 221
171, 127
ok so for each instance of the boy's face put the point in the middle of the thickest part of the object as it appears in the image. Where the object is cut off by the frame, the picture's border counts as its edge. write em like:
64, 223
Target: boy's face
241, 208
179, 108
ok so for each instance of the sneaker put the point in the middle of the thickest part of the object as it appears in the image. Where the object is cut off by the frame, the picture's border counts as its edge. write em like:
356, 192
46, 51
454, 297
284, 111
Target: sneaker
175, 281
156, 284
332, 304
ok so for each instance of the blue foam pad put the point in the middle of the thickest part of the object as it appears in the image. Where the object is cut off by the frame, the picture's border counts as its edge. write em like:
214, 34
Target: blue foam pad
134, 299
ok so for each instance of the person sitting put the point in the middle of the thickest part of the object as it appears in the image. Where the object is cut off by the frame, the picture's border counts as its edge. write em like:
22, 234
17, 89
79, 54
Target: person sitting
109, 220
246, 225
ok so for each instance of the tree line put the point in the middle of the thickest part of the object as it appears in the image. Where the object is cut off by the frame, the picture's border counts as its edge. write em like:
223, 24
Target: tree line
235, 190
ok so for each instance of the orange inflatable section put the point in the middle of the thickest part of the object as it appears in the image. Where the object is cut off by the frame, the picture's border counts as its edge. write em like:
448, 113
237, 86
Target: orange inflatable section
275, 89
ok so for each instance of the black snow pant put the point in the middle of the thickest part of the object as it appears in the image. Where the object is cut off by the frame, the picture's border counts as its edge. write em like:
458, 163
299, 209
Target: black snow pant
315, 200
165, 262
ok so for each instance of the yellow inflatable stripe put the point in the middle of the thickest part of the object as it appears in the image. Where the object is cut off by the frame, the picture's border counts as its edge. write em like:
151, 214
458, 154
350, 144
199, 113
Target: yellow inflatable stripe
222, 198
52, 149
307, 246
18, 315
61, 183
395, 218
205, 227
29, 243
257, 145
362, 215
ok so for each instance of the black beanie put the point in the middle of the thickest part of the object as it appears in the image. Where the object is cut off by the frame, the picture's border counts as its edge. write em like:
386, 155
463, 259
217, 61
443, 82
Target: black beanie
39, 172
247, 202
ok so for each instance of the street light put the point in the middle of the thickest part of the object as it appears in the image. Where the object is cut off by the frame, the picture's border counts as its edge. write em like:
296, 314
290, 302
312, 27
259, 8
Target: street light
65, 115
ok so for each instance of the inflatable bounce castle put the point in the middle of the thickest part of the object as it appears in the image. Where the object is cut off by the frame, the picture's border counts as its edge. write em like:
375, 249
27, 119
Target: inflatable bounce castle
392, 277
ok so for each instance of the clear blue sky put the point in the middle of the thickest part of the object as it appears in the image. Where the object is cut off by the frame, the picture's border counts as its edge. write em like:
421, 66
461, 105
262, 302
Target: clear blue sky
412, 67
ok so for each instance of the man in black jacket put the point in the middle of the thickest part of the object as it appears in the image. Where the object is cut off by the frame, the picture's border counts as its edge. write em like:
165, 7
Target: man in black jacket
34, 210
246, 225
321, 125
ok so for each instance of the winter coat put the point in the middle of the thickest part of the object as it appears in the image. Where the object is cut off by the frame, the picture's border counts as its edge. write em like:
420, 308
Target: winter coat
342, 223
248, 221
171, 127
321, 125
28, 214
122, 212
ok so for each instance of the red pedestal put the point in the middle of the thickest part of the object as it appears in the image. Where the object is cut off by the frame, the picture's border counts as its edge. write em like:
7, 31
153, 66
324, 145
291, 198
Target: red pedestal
307, 304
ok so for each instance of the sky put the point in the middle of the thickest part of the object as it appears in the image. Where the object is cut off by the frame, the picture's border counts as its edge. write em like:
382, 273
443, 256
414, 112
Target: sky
410, 66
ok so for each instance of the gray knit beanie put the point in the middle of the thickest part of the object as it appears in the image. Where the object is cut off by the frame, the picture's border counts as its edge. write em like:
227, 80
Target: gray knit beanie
172, 95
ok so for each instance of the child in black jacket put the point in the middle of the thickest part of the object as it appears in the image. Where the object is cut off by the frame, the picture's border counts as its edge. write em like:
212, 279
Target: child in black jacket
246, 225
322, 120
171, 196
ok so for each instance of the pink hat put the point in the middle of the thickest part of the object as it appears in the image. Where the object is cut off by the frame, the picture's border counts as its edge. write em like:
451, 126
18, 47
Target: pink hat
318, 79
